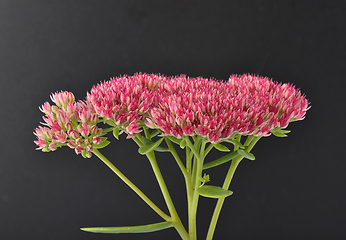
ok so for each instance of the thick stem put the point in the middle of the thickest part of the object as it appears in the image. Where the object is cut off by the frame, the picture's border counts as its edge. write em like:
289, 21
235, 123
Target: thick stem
217, 210
198, 168
175, 217
184, 171
226, 184
132, 186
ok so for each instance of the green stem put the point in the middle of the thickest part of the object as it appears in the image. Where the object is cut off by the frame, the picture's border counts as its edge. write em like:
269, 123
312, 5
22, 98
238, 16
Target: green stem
226, 184
132, 186
188, 160
146, 132
187, 175
198, 168
248, 140
175, 217
209, 148
138, 140
196, 146
217, 210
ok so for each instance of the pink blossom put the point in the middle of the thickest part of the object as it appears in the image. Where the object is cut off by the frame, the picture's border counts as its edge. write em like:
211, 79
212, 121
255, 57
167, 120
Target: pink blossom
126, 99
61, 99
52, 147
79, 149
41, 143
94, 129
84, 129
71, 143
78, 141
96, 140
73, 133
61, 137
133, 129
90, 148
46, 108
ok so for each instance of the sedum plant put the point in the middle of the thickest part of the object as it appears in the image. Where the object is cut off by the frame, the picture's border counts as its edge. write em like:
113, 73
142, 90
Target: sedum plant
161, 114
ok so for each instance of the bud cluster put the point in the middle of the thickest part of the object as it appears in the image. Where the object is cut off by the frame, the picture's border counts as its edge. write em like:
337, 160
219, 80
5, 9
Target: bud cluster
68, 123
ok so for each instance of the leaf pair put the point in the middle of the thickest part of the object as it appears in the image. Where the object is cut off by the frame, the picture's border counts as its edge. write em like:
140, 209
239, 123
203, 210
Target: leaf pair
280, 132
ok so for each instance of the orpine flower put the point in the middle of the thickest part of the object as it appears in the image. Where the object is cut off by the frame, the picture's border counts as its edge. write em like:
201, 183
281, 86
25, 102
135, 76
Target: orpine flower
198, 112
246, 104
68, 123
126, 100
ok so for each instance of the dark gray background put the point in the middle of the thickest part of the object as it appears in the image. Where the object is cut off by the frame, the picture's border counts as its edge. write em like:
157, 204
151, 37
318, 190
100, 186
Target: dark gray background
294, 189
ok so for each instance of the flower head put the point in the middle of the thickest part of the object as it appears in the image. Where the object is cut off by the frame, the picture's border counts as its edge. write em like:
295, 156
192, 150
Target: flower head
126, 100
67, 123
246, 104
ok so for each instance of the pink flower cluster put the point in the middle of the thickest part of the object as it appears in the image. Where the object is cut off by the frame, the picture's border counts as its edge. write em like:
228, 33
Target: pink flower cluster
246, 104
177, 106
126, 100
68, 123
181, 105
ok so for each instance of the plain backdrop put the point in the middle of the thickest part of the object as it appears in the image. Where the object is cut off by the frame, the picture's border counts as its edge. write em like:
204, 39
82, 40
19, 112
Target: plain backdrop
294, 190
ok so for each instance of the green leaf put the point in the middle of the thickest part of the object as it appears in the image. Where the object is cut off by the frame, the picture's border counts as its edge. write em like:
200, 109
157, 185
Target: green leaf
174, 139
110, 122
235, 142
102, 144
116, 133
154, 133
280, 132
220, 160
247, 155
149, 147
106, 130
213, 191
161, 149
221, 147
146, 141
182, 143
131, 229
158, 149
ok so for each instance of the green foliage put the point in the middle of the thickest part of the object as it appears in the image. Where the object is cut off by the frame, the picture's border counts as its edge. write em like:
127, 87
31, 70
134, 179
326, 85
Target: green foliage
280, 132
104, 142
174, 139
247, 155
182, 144
148, 146
154, 133
221, 160
235, 142
221, 147
131, 229
213, 191
116, 132
204, 179
109, 122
